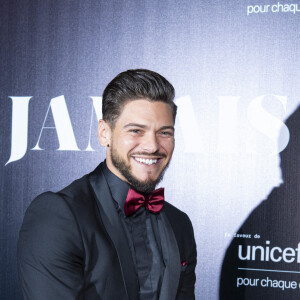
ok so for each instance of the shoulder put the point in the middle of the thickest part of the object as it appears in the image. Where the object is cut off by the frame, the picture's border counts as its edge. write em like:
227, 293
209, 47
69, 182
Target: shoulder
79, 188
179, 220
46, 211
52, 208
61, 201
80, 194
44, 205
173, 213
58, 223
48, 222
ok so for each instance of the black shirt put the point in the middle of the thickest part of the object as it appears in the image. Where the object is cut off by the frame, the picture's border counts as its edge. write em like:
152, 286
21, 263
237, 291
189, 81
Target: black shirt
143, 237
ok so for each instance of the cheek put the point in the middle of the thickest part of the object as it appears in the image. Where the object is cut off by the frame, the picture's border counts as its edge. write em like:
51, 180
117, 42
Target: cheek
168, 146
128, 143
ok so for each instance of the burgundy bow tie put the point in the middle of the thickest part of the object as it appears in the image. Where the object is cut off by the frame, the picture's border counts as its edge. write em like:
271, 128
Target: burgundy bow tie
153, 202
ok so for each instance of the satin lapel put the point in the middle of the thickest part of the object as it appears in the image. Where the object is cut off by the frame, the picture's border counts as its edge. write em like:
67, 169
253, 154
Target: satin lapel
171, 258
114, 228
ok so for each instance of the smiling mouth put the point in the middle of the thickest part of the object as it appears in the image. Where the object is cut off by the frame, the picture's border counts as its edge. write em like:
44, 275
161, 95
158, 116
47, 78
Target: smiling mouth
146, 161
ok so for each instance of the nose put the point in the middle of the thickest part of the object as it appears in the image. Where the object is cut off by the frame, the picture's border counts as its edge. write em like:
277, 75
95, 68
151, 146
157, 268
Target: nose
150, 143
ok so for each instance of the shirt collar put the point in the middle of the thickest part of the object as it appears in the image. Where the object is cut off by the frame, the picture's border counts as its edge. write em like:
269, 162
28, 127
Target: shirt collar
118, 188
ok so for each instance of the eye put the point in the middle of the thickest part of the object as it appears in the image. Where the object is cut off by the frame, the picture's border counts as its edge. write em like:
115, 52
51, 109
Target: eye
135, 131
167, 133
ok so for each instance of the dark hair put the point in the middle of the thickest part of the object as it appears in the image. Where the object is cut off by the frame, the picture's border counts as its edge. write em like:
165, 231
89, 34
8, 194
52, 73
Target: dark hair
132, 85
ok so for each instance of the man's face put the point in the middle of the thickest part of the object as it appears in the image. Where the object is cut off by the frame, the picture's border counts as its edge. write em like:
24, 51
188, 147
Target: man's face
141, 143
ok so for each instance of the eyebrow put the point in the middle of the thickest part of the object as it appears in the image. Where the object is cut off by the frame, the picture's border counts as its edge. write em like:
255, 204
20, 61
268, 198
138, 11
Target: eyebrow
135, 125
145, 126
167, 127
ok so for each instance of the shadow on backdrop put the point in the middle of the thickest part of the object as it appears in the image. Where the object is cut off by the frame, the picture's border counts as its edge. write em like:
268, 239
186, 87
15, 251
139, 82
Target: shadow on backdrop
275, 255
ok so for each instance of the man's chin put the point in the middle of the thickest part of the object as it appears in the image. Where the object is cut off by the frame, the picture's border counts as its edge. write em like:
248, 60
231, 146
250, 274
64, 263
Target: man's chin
144, 186
146, 179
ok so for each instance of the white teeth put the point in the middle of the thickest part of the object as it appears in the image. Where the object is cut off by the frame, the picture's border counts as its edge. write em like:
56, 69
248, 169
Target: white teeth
146, 161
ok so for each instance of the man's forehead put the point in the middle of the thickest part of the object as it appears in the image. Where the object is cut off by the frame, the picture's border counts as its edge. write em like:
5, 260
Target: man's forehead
146, 105
144, 126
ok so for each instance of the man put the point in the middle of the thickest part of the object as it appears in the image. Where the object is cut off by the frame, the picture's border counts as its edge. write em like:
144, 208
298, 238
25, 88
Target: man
108, 235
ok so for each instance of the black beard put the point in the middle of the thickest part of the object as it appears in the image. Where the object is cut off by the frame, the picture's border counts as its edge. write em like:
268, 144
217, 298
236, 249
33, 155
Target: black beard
140, 186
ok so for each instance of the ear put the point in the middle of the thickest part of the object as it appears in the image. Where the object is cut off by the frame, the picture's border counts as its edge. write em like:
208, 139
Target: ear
104, 133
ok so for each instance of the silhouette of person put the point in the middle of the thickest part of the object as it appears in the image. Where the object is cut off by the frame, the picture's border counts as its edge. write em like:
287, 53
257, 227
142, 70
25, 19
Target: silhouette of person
268, 267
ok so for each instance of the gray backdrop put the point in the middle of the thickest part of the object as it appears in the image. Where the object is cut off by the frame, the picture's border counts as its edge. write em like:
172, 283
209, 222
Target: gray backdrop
235, 66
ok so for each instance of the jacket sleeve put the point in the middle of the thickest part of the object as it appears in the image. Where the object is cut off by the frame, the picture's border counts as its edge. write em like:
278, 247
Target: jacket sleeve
50, 251
187, 286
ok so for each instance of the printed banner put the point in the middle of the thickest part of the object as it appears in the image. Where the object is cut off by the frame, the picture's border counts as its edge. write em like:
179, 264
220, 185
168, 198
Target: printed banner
235, 170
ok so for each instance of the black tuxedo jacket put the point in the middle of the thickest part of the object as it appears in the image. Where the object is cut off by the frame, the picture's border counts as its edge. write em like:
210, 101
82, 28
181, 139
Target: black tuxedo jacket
72, 246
